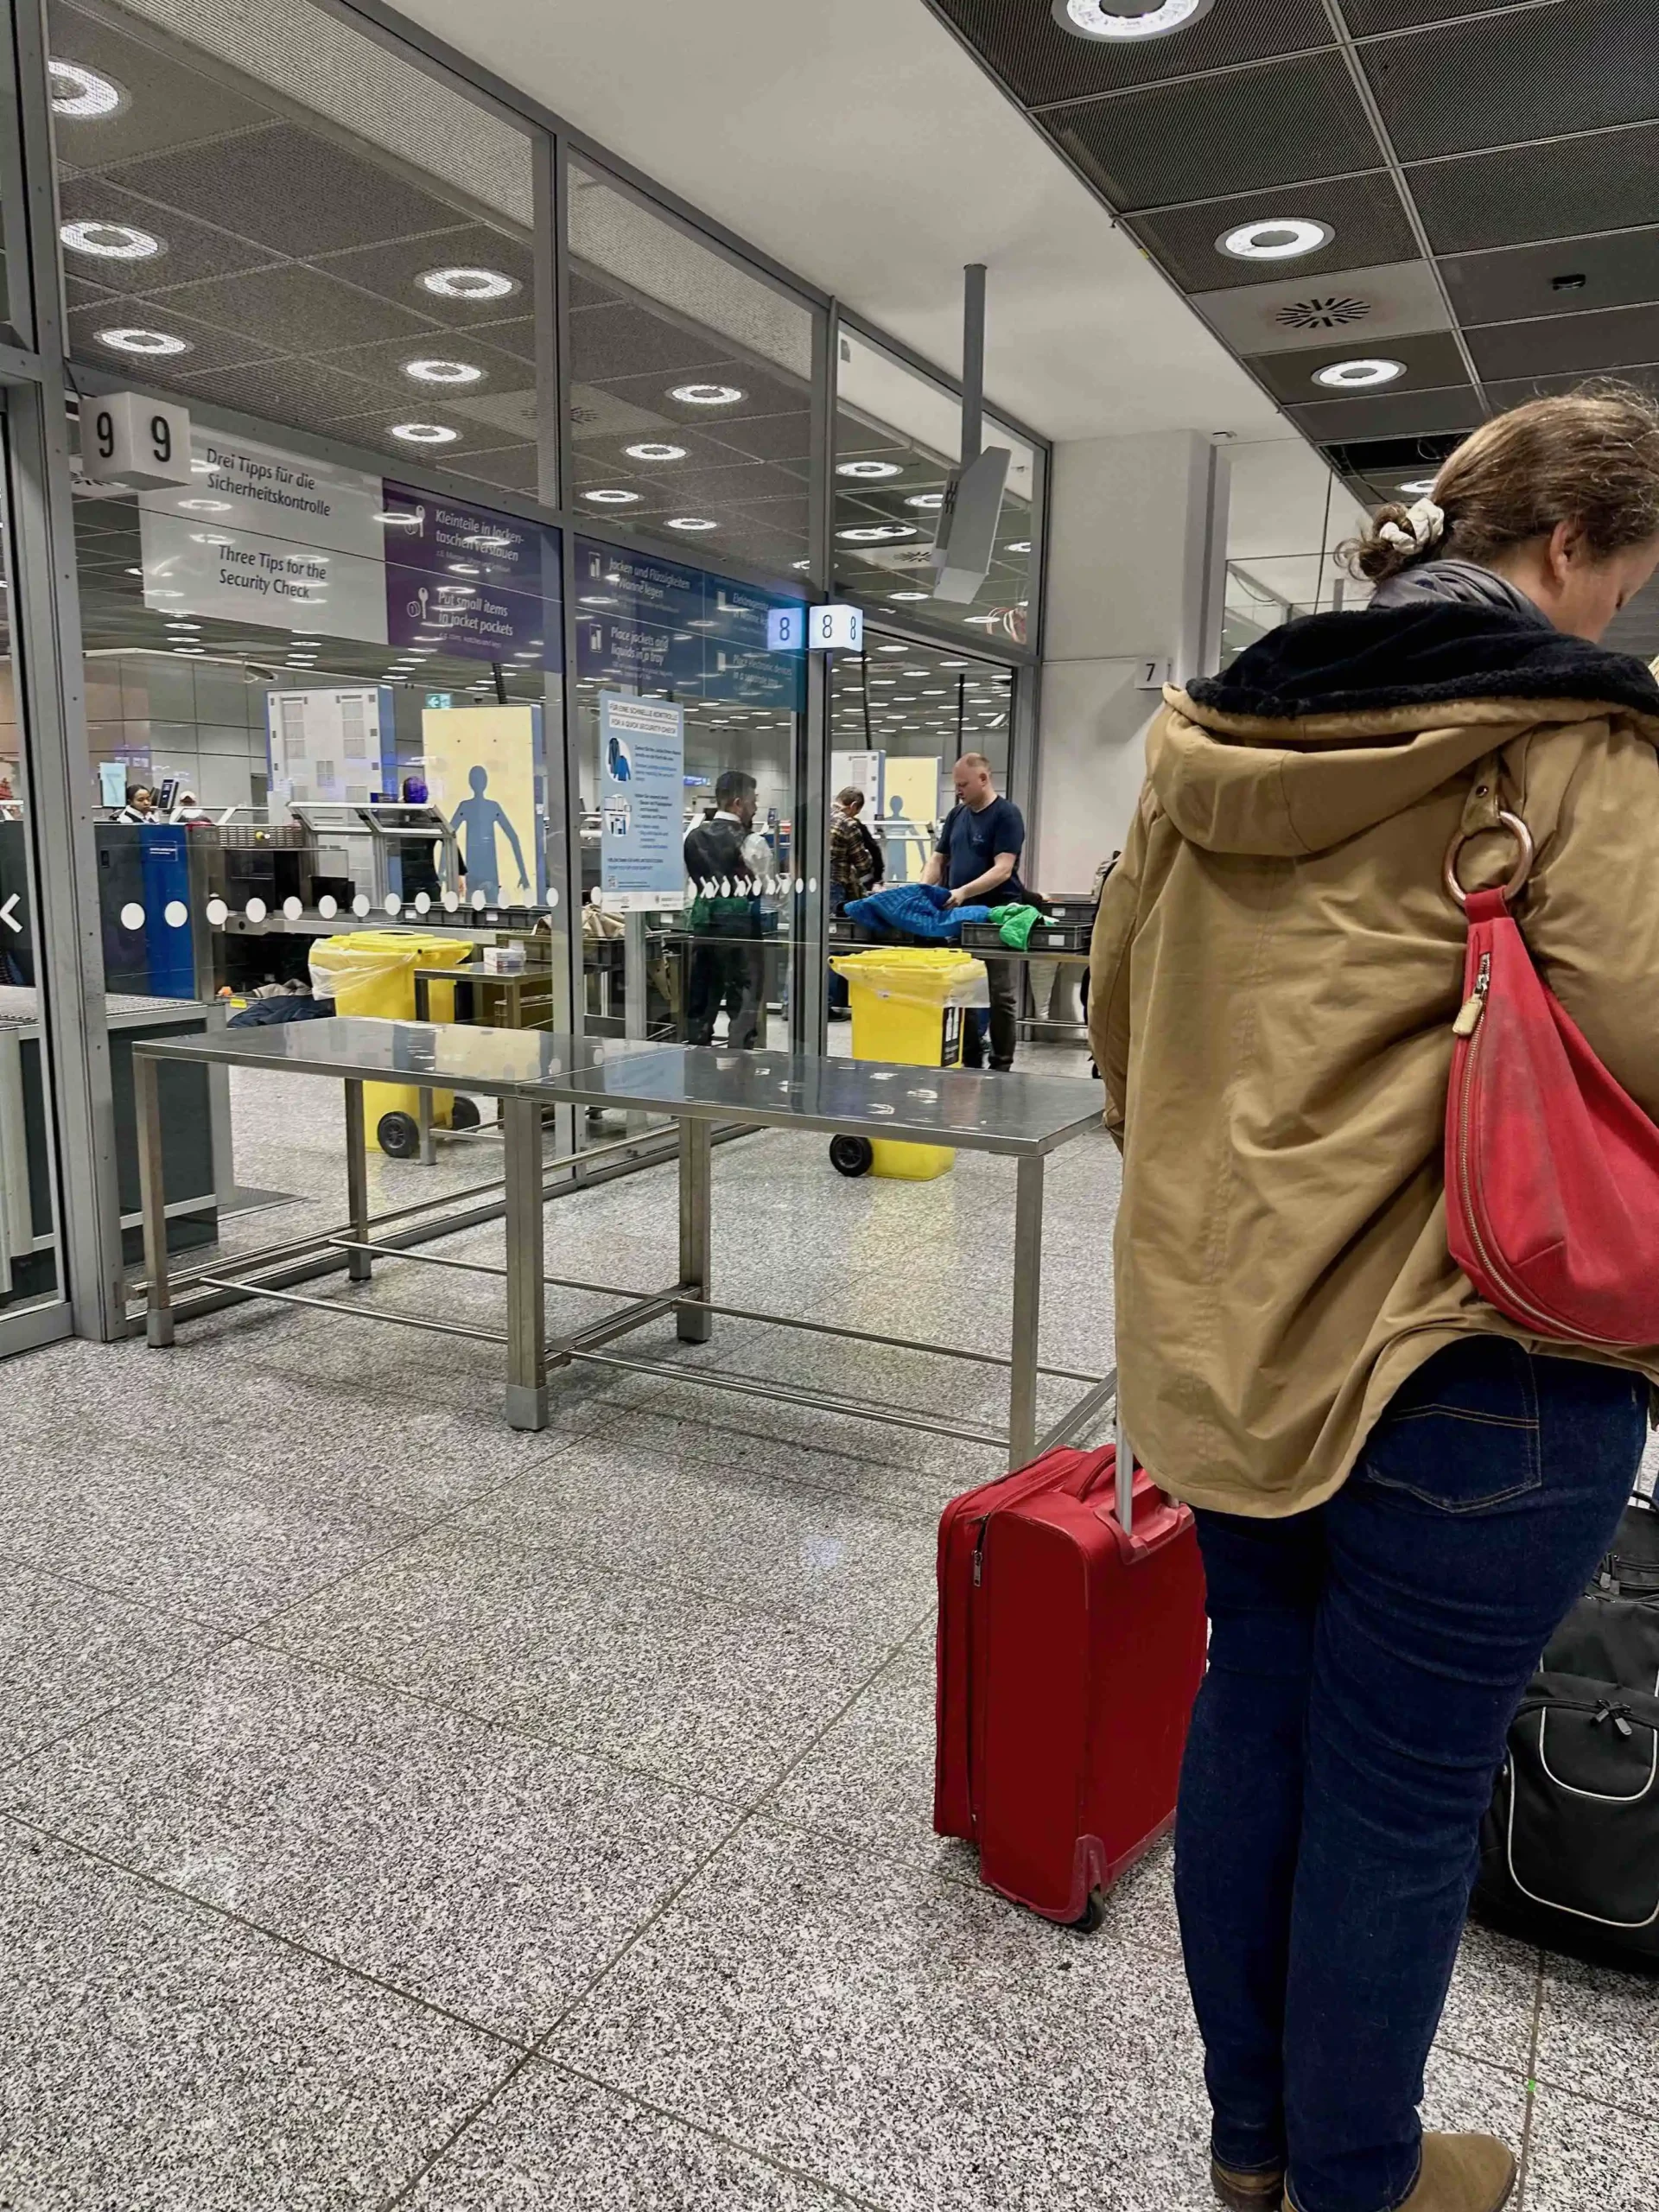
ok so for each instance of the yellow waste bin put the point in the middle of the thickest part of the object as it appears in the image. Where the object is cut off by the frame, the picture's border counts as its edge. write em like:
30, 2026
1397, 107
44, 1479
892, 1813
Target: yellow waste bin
909, 1004
373, 972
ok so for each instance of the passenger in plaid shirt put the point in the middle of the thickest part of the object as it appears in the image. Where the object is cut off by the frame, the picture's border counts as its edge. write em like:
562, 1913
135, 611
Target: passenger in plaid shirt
856, 867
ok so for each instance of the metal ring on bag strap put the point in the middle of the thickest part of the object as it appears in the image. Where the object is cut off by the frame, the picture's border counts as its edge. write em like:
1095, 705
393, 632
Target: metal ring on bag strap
1523, 837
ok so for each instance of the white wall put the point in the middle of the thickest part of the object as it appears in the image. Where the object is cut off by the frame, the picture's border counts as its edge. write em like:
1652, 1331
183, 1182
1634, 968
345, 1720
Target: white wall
1136, 556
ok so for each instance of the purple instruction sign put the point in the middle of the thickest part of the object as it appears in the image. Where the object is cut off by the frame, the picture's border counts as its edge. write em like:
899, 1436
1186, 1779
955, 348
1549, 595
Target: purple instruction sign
470, 580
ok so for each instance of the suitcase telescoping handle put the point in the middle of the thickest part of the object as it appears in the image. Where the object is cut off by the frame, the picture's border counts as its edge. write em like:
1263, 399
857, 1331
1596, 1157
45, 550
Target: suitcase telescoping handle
1125, 1475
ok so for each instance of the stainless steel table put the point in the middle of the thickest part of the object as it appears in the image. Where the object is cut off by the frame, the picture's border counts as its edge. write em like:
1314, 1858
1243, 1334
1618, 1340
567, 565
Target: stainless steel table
1025, 1117
509, 1064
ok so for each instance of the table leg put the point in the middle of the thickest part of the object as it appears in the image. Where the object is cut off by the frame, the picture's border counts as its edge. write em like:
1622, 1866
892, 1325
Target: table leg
1028, 1309
526, 1266
158, 1318
696, 1222
361, 1264
424, 1123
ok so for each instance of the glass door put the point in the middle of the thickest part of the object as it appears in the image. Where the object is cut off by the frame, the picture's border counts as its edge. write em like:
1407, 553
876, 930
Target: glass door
32, 1295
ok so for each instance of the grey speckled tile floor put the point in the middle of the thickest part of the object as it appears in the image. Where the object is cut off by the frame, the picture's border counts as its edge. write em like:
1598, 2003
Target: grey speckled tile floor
395, 1811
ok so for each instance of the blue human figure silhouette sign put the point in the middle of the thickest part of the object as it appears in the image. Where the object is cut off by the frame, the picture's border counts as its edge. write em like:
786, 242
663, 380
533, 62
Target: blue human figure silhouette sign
475, 823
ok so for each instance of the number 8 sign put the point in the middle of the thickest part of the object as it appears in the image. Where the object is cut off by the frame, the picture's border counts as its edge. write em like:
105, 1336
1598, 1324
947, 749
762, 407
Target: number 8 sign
836, 629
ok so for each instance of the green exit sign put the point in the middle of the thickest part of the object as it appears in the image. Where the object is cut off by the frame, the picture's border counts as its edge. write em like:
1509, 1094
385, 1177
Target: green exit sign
440, 699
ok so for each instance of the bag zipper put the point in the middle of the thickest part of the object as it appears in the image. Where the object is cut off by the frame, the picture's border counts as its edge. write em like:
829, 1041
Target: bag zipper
1474, 1006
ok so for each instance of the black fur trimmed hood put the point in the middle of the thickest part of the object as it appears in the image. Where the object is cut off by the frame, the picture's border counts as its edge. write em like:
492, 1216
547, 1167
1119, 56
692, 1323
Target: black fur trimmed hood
1378, 660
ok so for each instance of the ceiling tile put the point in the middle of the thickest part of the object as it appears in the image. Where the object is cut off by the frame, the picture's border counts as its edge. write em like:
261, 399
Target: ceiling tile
1432, 363
190, 249
1363, 211
1606, 182
1561, 345
1532, 72
210, 347
1357, 304
1390, 414
1516, 392
1366, 17
1220, 135
394, 268
290, 190
169, 104
1619, 270
292, 303
1040, 62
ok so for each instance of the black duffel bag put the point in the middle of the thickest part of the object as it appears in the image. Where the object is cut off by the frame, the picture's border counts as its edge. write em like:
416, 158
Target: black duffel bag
1570, 1848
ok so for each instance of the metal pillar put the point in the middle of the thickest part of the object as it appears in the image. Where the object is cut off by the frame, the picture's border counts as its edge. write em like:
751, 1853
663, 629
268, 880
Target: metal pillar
696, 1225
526, 1266
158, 1322
357, 1180
1028, 1309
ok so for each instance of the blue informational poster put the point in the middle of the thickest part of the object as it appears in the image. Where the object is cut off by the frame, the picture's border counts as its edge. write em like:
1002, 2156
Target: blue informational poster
644, 620
641, 798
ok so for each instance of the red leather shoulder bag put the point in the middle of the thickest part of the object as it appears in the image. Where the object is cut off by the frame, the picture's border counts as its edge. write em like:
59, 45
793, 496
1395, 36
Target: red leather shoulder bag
1552, 1170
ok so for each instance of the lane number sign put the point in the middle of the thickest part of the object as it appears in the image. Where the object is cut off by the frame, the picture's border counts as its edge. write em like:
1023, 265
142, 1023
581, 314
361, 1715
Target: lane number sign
128, 438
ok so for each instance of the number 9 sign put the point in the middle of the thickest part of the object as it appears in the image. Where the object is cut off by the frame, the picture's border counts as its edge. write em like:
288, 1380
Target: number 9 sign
128, 438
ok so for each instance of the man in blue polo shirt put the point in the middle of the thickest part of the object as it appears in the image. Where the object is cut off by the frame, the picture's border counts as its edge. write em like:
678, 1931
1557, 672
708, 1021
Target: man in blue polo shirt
977, 859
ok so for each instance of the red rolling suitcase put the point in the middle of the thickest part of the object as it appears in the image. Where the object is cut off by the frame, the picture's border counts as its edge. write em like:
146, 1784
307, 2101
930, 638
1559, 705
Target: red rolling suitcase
1070, 1652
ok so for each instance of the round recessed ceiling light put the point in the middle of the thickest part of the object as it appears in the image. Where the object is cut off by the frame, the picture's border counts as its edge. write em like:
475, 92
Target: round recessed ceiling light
897, 595
109, 241
691, 522
1275, 239
654, 449
708, 394
1149, 19
610, 497
870, 471
129, 340
1357, 376
1020, 545
424, 434
468, 284
443, 371
1419, 486
929, 499
873, 533
81, 93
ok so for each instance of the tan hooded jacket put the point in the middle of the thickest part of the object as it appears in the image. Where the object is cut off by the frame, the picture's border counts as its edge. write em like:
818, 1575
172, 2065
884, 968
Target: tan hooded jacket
1276, 967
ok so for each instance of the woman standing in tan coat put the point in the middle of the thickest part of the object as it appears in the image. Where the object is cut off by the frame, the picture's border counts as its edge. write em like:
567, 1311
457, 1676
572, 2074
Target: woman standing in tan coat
1399, 1491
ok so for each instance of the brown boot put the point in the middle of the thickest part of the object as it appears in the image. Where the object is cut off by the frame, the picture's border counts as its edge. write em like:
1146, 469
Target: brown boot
1460, 2173
1246, 2192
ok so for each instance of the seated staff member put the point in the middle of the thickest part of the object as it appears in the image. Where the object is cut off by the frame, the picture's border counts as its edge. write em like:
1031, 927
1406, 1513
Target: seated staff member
977, 857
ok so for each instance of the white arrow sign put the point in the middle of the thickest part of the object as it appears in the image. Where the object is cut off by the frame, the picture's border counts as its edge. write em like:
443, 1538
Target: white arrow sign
7, 916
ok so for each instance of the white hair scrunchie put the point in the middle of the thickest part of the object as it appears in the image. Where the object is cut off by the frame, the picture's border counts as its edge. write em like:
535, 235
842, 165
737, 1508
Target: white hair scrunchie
1423, 527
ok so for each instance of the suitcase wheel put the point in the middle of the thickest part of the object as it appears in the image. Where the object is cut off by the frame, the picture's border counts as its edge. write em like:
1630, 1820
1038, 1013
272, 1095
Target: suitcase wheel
851, 1155
1094, 1914
399, 1136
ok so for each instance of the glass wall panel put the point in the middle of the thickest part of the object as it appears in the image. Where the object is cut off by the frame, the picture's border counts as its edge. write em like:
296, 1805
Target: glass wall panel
265, 209
691, 391
897, 435
30, 1263
320, 733
690, 921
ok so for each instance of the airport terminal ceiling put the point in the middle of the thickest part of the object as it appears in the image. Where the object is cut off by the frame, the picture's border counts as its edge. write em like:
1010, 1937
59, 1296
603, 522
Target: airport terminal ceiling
1400, 215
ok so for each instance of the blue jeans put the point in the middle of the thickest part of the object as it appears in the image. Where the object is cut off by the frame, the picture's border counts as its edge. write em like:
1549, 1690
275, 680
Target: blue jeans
1366, 1661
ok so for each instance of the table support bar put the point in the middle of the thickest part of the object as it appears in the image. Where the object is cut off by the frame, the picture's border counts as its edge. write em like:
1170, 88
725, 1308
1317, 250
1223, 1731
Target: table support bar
346, 1308
748, 1386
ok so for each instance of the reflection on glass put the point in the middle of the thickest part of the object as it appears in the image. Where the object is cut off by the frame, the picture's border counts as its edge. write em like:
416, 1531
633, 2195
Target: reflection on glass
692, 385
902, 715
686, 726
898, 436
293, 222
